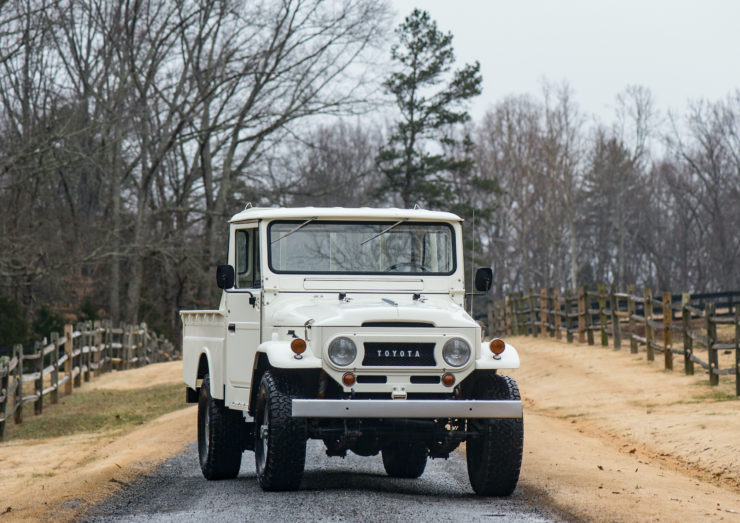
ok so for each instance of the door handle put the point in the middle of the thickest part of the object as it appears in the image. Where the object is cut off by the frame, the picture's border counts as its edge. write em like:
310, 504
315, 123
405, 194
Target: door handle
232, 327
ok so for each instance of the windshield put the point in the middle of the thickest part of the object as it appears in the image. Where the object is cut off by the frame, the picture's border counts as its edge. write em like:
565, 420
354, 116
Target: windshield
361, 247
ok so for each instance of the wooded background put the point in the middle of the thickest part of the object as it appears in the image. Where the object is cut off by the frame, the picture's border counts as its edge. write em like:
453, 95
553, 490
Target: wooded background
131, 132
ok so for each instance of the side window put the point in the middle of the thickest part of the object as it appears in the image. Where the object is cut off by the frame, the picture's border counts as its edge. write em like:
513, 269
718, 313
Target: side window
248, 274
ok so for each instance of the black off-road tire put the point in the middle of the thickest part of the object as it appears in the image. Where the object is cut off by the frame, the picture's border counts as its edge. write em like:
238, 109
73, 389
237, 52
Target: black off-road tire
495, 457
279, 439
404, 459
220, 433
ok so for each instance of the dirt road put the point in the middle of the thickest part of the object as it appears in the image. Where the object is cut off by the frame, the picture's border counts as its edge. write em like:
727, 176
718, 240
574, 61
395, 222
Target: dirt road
607, 437
610, 437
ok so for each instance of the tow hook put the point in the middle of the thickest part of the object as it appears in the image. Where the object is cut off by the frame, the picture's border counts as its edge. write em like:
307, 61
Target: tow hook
399, 393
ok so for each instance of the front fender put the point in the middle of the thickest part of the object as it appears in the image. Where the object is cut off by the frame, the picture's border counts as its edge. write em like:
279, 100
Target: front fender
509, 359
281, 356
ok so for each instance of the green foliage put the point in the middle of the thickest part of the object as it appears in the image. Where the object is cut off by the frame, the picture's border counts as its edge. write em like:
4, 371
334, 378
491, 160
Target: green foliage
46, 322
430, 97
13, 327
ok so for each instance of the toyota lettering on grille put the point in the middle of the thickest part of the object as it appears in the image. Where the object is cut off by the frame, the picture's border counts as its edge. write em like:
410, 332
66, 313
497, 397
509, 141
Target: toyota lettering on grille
399, 354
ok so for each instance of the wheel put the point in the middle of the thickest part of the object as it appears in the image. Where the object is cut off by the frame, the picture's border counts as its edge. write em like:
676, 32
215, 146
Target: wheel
404, 459
280, 439
495, 456
219, 436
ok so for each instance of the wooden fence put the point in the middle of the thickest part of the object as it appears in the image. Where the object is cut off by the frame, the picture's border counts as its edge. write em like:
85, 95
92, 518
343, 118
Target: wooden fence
640, 320
84, 351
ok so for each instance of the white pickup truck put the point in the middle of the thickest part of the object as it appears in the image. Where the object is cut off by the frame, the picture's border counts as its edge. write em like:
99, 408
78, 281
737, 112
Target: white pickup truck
348, 326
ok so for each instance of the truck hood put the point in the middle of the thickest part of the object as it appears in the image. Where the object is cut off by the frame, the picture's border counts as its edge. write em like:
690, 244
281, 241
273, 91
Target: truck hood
293, 311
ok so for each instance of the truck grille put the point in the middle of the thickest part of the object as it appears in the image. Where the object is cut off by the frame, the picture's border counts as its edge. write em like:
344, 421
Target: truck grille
399, 354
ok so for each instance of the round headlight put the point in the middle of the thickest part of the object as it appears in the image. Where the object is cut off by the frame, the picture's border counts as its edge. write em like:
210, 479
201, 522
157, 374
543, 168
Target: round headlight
456, 352
342, 351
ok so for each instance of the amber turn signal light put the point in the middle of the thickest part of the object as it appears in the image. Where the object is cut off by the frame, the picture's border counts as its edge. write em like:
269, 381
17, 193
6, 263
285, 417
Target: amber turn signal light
348, 379
298, 346
497, 346
448, 380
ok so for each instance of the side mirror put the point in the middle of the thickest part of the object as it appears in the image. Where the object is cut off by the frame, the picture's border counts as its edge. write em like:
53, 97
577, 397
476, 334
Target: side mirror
484, 279
225, 276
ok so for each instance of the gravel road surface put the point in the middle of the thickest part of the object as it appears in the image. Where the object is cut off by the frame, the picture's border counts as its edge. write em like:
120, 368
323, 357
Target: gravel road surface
333, 489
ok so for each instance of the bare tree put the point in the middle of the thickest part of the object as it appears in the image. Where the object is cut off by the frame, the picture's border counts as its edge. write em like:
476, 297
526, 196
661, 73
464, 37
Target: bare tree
334, 165
707, 184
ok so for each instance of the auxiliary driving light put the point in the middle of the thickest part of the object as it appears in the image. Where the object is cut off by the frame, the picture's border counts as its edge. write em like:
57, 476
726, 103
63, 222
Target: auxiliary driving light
497, 346
448, 380
298, 346
348, 379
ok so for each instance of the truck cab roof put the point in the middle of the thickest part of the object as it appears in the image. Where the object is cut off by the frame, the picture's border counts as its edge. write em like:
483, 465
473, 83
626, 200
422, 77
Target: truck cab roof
336, 213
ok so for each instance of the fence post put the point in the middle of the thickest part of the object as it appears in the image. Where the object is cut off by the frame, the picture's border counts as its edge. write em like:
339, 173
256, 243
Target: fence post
544, 314
668, 329
589, 319
109, 337
96, 342
581, 315
519, 303
737, 351
135, 345
4, 395
601, 290
104, 345
532, 313
155, 348
89, 340
68, 348
688, 342
711, 340
18, 415
550, 312
54, 398
630, 313
648, 312
568, 304
141, 345
145, 345
557, 315
38, 405
127, 337
80, 343
616, 327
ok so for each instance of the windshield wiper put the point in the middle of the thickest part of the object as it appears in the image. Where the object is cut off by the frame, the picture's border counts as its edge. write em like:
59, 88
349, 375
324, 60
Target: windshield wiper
301, 226
381, 233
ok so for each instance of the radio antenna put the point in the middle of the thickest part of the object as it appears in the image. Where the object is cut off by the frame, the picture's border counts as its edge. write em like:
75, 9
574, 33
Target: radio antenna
472, 262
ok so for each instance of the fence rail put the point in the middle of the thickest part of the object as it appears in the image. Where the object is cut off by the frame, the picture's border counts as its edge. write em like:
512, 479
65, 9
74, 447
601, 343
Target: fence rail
645, 320
83, 351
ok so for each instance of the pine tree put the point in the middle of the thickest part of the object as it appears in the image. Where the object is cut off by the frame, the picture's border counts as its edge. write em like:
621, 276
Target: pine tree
431, 100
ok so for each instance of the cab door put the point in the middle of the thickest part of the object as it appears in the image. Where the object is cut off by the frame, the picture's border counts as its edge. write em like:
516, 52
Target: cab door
243, 304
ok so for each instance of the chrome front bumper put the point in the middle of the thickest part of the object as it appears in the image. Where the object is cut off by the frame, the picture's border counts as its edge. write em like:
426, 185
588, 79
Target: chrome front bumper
426, 409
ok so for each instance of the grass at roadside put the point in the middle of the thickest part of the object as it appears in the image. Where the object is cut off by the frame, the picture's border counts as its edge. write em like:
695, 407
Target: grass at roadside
99, 411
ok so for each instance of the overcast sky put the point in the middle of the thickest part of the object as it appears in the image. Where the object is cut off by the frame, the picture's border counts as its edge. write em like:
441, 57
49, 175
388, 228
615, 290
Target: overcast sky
680, 49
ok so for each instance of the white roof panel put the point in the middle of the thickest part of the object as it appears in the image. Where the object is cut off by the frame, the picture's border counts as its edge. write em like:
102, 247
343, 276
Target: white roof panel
304, 213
